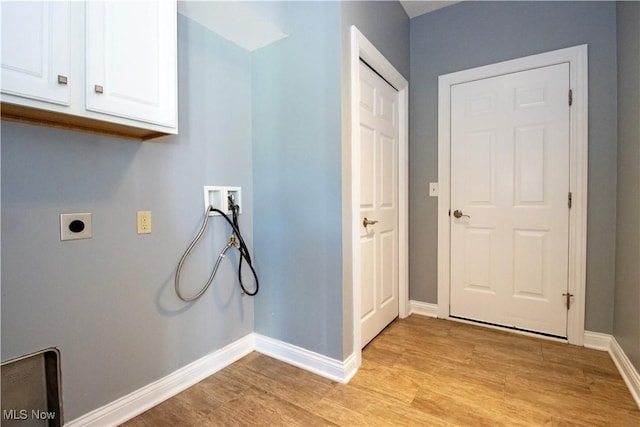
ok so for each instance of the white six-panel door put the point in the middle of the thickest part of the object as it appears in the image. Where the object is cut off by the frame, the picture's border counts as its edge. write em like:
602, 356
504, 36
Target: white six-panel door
509, 186
378, 203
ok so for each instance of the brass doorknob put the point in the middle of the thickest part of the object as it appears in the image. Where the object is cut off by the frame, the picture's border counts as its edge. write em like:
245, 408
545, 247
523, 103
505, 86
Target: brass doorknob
458, 214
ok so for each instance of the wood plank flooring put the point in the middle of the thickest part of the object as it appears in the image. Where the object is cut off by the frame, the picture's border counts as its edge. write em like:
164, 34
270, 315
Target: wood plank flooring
418, 372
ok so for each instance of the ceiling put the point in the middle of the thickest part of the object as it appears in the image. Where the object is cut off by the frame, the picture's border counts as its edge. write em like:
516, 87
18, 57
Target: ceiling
420, 7
238, 22
243, 24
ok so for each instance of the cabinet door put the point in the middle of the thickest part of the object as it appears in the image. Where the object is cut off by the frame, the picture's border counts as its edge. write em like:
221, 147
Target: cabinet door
35, 50
131, 60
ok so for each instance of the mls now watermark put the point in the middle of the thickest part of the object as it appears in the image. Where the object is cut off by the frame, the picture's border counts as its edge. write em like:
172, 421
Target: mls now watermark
24, 414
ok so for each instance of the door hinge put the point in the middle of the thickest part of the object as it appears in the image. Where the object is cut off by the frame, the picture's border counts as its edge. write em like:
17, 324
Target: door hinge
570, 97
570, 199
568, 297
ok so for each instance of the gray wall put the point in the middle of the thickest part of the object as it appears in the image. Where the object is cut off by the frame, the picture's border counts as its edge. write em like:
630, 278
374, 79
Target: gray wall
300, 110
108, 303
296, 179
472, 34
626, 326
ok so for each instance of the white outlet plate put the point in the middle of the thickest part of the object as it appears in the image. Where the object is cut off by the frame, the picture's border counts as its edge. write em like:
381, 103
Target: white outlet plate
143, 219
75, 226
218, 197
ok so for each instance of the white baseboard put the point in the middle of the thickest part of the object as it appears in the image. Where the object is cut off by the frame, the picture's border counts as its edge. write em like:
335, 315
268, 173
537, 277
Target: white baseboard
608, 343
597, 341
423, 308
145, 398
627, 370
324, 366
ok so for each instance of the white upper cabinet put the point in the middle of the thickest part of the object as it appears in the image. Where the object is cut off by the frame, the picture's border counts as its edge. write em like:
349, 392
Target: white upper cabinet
97, 66
131, 68
35, 50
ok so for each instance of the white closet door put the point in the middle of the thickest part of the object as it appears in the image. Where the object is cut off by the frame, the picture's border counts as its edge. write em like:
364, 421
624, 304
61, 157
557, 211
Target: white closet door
378, 203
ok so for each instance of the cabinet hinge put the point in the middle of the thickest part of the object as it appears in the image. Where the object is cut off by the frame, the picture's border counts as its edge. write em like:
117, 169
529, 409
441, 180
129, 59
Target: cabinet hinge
570, 199
570, 97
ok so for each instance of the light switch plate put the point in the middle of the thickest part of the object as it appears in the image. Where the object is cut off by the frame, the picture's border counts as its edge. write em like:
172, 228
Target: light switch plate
433, 189
75, 226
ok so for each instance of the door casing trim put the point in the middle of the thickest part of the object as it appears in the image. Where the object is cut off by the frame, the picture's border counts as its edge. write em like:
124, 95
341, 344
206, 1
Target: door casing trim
578, 144
363, 48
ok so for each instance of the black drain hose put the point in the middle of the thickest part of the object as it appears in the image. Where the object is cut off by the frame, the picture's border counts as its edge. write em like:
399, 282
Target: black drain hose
236, 240
241, 245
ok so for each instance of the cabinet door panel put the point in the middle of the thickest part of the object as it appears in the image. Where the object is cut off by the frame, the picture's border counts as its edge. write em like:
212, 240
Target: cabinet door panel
131, 60
35, 50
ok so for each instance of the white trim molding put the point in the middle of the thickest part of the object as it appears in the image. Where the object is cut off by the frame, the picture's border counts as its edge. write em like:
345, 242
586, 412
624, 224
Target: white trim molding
423, 308
363, 48
576, 57
319, 364
597, 341
608, 343
627, 370
143, 399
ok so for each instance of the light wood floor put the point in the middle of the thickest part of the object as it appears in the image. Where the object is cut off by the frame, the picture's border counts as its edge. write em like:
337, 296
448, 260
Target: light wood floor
418, 372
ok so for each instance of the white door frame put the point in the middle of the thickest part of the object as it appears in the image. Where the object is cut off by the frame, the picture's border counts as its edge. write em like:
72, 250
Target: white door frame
363, 48
578, 128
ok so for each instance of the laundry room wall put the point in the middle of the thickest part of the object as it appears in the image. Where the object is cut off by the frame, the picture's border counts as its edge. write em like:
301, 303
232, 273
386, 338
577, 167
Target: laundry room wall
626, 326
299, 112
108, 303
296, 160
